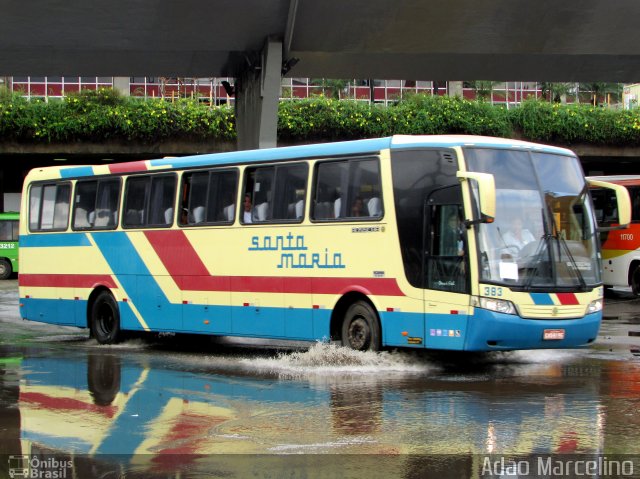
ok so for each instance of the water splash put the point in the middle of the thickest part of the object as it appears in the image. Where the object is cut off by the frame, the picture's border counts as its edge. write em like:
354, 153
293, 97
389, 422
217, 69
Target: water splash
329, 359
544, 356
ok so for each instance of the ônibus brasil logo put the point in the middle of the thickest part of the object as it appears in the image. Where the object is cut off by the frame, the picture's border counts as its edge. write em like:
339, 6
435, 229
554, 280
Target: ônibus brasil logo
35, 467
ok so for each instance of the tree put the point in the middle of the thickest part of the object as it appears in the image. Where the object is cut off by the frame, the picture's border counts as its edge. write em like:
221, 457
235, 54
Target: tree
332, 87
602, 92
556, 92
483, 88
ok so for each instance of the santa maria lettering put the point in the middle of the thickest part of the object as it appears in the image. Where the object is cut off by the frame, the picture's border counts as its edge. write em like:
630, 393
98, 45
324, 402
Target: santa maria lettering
295, 254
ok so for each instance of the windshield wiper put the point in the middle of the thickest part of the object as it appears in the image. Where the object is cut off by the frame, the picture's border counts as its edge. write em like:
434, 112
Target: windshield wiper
563, 243
544, 240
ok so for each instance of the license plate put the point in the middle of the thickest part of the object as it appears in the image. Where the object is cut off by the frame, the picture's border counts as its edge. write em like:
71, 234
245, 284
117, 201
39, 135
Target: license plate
553, 334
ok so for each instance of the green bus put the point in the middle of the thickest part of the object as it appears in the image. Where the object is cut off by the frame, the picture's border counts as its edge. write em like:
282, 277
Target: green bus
8, 244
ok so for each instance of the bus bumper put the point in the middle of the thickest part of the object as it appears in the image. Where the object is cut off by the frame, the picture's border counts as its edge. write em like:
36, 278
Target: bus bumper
490, 331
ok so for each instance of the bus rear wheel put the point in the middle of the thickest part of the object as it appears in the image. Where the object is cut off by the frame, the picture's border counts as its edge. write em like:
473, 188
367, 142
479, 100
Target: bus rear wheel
105, 319
360, 328
5, 269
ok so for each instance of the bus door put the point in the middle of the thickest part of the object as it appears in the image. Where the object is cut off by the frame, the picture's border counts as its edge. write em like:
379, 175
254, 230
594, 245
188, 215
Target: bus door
446, 267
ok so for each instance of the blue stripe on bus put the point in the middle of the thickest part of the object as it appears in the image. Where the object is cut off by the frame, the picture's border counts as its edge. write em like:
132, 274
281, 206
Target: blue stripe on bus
542, 299
76, 171
52, 311
272, 154
509, 332
341, 148
138, 283
144, 408
54, 240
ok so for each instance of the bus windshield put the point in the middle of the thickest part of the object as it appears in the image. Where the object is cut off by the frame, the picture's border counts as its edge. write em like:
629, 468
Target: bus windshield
543, 235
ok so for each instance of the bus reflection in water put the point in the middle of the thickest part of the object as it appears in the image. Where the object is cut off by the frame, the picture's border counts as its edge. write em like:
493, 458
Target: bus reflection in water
147, 417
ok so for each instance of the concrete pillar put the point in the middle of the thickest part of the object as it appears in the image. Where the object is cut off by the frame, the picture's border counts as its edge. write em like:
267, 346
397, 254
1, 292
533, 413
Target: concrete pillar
454, 88
122, 85
257, 93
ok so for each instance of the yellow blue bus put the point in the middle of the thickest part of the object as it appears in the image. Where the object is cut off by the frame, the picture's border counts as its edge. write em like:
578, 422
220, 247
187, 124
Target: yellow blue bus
406, 241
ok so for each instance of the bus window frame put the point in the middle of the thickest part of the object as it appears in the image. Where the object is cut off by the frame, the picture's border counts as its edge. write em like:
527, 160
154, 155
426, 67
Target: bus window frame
349, 160
44, 184
209, 172
14, 225
145, 223
119, 203
250, 170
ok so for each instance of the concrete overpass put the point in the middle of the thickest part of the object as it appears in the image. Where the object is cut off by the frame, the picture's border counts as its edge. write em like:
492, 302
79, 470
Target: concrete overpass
257, 41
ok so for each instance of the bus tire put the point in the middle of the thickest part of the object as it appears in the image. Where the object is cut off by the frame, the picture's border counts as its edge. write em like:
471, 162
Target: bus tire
103, 378
5, 269
105, 319
635, 281
361, 328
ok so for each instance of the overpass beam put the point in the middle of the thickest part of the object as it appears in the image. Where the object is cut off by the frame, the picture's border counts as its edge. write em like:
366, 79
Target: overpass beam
257, 93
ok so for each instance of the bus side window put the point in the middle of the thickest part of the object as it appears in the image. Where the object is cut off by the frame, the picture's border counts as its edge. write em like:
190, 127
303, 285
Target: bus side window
330, 177
223, 188
348, 189
290, 191
194, 197
209, 197
149, 201
364, 189
134, 201
262, 194
49, 207
84, 204
5, 230
160, 206
106, 208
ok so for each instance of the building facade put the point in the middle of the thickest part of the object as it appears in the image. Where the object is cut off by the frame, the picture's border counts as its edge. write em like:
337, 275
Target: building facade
212, 90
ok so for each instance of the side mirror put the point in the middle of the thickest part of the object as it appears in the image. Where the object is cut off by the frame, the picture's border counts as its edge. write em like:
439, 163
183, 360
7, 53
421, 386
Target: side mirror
486, 195
623, 202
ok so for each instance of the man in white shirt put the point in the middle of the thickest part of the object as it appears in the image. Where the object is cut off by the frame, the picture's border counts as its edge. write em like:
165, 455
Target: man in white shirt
517, 235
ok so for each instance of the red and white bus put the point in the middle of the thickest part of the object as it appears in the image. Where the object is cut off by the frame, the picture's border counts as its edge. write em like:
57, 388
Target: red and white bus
620, 253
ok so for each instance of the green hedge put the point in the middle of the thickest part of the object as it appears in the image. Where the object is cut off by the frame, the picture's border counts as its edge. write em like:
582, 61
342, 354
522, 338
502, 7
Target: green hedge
100, 115
93, 116
321, 118
579, 123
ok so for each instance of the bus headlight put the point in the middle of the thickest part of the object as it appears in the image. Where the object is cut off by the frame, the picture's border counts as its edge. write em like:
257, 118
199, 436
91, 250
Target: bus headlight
594, 306
493, 304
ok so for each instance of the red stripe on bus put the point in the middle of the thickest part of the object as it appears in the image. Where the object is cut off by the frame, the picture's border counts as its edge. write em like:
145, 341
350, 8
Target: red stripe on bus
291, 285
249, 284
66, 280
567, 299
65, 404
128, 167
190, 274
176, 253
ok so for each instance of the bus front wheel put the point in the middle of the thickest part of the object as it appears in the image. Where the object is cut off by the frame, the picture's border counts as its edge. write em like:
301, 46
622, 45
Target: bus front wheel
360, 328
5, 269
105, 319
